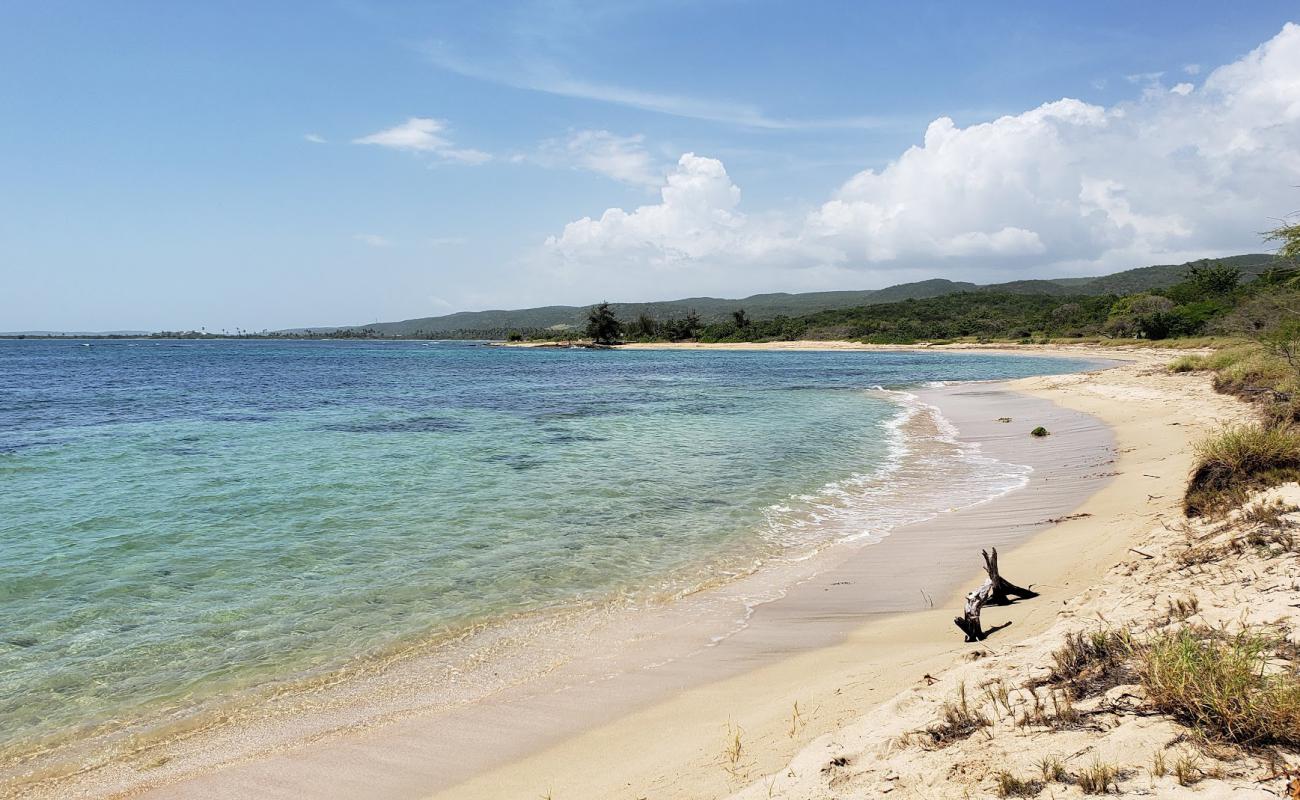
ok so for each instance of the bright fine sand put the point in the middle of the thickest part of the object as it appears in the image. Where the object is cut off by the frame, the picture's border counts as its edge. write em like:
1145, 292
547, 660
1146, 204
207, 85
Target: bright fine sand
651, 703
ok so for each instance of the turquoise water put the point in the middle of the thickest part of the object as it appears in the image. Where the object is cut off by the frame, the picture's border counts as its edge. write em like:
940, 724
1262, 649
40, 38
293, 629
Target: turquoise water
186, 519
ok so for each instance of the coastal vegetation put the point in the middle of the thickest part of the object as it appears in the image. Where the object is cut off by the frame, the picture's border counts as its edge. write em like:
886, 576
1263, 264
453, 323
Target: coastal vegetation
1212, 298
1263, 369
561, 321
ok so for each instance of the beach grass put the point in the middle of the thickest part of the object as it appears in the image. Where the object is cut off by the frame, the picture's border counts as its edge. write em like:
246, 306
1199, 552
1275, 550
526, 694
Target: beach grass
1009, 785
1098, 778
1239, 459
1227, 688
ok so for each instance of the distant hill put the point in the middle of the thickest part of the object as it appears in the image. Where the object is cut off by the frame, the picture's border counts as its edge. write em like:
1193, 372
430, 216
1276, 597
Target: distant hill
1146, 278
768, 306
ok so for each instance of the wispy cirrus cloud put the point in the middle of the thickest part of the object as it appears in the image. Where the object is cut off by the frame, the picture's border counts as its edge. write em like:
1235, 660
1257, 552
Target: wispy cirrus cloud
424, 135
315, 138
547, 77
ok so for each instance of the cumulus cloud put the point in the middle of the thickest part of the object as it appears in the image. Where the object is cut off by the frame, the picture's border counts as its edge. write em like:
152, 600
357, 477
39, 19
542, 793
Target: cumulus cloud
623, 158
1065, 187
424, 135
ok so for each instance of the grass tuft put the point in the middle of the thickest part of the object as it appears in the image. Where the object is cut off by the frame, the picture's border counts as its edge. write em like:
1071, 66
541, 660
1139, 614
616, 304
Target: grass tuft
1098, 778
1159, 767
1053, 770
733, 750
1011, 786
1180, 608
1187, 769
959, 721
1238, 459
1091, 662
1188, 364
1223, 687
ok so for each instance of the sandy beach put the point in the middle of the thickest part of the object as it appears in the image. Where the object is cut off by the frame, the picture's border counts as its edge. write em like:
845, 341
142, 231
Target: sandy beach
1154, 418
651, 702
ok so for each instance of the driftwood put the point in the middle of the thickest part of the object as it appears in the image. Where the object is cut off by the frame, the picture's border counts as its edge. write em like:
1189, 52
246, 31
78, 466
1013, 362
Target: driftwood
996, 591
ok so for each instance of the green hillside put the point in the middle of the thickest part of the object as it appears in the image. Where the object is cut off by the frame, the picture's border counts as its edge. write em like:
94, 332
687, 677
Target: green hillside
1164, 275
768, 306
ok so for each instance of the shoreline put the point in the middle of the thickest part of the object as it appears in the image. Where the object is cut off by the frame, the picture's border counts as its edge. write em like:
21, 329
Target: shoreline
776, 706
1138, 351
410, 748
799, 625
1155, 417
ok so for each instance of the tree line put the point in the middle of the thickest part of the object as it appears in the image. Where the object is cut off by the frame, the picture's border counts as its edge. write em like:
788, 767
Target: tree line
1211, 298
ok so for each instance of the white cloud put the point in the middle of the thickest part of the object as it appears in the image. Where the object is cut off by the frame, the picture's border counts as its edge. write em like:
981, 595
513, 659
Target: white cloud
1192, 69
372, 239
541, 75
424, 135
1183, 89
623, 158
314, 138
1068, 187
1144, 78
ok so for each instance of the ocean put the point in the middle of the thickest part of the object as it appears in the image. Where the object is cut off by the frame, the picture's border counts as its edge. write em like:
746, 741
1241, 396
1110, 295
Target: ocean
185, 521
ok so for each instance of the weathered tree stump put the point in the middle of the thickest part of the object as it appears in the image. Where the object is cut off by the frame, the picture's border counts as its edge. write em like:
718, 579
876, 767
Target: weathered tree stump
997, 591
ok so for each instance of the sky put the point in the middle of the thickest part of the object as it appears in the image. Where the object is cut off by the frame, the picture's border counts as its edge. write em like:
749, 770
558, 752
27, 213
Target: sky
251, 165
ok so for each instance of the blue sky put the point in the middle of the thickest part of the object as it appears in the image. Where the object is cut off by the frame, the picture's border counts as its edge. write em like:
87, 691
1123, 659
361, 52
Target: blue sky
267, 165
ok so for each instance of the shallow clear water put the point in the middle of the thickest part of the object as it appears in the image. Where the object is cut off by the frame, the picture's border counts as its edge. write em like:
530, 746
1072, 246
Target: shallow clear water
184, 519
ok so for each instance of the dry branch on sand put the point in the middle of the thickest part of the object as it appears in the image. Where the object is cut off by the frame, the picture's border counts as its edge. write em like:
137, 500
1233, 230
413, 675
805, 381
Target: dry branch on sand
997, 591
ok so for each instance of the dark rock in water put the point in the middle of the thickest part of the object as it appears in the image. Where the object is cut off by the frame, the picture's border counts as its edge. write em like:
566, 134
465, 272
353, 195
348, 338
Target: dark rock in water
23, 641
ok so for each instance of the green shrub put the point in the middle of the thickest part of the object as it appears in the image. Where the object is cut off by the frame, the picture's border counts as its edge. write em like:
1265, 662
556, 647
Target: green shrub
1040, 432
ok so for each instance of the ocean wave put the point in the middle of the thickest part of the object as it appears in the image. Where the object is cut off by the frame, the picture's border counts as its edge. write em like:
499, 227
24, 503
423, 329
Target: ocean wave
927, 470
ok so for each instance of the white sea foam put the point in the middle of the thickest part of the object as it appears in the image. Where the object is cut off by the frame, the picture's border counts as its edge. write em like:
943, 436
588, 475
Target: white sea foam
927, 470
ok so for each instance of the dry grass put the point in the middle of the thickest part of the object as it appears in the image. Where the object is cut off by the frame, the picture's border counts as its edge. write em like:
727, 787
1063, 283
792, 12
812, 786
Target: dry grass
1238, 459
1224, 688
1091, 662
959, 721
1053, 770
1098, 778
1159, 766
1180, 608
1271, 514
1187, 768
797, 722
733, 750
1188, 364
1011, 786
